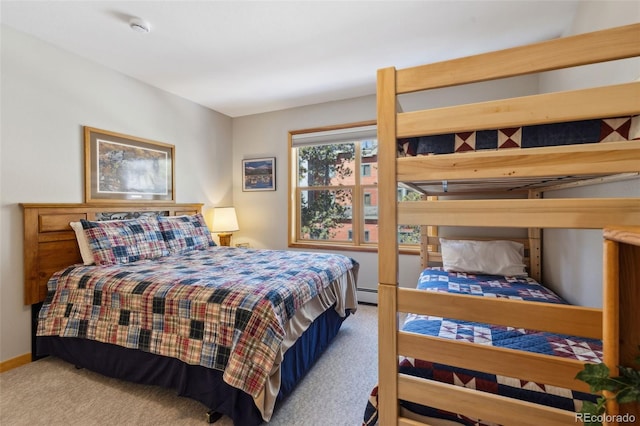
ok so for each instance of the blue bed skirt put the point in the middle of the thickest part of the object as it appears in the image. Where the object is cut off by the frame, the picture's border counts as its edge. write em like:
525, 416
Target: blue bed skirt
193, 381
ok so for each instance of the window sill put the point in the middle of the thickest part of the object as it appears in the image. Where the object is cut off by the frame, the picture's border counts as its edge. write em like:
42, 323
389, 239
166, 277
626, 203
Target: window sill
346, 247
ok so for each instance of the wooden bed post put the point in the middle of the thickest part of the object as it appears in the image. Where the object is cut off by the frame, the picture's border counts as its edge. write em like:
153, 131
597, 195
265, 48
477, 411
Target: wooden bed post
387, 249
611, 309
424, 242
621, 322
535, 246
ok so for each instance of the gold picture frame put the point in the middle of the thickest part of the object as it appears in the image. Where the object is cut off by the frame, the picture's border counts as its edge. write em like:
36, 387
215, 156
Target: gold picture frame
127, 168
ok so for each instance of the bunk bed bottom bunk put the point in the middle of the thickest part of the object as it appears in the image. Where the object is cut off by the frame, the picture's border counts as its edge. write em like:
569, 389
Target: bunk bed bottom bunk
495, 286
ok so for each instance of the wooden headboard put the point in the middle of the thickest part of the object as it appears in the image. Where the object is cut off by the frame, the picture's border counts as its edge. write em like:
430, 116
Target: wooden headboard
50, 243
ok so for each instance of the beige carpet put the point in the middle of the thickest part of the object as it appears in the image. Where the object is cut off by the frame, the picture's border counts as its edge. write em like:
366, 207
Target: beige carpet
52, 392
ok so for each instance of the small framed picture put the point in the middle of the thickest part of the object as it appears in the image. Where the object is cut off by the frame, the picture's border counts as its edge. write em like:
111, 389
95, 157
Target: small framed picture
259, 174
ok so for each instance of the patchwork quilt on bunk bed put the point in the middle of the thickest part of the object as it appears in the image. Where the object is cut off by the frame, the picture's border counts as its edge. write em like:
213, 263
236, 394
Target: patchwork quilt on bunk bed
520, 288
202, 306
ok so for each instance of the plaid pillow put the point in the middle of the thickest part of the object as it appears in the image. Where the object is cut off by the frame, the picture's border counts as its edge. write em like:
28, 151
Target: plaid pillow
185, 233
124, 241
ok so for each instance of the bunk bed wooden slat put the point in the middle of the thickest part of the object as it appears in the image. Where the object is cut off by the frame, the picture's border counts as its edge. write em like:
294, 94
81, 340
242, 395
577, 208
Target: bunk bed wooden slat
575, 213
613, 101
480, 404
610, 157
554, 318
551, 370
615, 43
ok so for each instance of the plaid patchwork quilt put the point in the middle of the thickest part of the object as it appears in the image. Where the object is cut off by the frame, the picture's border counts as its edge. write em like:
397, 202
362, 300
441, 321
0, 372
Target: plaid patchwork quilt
520, 288
222, 308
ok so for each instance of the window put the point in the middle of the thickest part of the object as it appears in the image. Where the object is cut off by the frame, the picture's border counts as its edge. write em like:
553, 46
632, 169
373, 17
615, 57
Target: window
333, 177
409, 234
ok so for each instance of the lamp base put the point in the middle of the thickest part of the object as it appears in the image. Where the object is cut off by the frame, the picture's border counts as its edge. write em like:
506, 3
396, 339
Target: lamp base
225, 239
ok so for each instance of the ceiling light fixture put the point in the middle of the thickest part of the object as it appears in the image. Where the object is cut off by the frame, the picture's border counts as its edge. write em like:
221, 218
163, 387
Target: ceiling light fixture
139, 25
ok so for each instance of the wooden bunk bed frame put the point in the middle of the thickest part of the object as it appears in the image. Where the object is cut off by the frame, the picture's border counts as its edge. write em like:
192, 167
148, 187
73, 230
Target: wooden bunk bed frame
534, 213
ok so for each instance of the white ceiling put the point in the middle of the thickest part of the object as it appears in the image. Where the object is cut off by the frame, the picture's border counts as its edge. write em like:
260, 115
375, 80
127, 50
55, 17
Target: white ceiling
248, 57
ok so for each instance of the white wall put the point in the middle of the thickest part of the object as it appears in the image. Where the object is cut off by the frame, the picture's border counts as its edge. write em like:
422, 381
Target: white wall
262, 216
47, 96
572, 259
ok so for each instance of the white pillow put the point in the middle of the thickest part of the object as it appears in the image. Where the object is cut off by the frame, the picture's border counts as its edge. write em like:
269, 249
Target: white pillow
83, 243
496, 257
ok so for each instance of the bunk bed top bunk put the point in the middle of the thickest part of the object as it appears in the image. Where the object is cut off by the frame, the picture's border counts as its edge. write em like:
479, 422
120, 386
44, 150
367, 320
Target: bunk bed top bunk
525, 172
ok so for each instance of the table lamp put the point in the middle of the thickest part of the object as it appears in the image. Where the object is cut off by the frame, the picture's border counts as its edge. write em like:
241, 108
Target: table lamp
225, 222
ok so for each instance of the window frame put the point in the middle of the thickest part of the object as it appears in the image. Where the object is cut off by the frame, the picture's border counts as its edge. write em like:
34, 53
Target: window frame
357, 242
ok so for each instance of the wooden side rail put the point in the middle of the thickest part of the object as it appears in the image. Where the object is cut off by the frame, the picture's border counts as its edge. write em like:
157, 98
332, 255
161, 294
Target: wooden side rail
609, 158
541, 316
601, 46
517, 364
576, 213
613, 101
483, 405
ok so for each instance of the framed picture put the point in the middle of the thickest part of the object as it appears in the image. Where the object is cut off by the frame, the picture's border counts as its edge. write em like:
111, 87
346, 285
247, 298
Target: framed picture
259, 174
127, 168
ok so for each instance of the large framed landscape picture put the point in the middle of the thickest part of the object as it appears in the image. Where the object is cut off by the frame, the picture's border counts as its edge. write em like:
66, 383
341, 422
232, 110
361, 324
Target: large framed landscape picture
259, 174
128, 168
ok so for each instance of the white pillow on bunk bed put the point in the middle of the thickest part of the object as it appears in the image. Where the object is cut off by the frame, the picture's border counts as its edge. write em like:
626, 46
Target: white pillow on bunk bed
496, 257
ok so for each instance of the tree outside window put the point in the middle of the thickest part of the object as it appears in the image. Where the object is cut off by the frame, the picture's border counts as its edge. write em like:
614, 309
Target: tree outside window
334, 176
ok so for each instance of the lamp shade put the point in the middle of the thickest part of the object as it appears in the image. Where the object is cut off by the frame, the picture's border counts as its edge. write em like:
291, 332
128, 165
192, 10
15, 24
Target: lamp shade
224, 220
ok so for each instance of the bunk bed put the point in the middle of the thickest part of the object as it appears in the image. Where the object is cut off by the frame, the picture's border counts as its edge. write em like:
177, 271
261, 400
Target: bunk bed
410, 153
159, 303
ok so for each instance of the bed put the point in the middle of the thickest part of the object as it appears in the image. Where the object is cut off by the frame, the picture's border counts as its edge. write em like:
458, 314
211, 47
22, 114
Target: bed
466, 159
155, 301
518, 287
